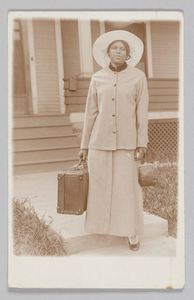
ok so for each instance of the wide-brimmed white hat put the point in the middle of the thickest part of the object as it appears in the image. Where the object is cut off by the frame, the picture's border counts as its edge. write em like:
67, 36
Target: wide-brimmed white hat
102, 43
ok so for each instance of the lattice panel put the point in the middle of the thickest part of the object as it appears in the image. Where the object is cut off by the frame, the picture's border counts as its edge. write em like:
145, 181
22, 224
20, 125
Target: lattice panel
163, 137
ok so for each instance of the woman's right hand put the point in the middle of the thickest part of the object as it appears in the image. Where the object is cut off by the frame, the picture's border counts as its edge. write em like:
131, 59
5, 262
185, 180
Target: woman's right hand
83, 153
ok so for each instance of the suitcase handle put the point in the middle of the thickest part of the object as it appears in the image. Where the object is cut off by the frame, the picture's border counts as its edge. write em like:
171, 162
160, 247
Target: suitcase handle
82, 161
79, 165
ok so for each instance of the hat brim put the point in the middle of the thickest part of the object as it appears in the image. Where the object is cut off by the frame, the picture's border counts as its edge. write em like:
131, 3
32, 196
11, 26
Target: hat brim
102, 43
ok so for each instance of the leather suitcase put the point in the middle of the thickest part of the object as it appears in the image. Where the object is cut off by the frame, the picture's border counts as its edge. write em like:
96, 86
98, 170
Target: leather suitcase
73, 190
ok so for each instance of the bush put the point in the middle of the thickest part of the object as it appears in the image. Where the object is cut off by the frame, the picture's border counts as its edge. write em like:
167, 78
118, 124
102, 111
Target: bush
161, 199
31, 234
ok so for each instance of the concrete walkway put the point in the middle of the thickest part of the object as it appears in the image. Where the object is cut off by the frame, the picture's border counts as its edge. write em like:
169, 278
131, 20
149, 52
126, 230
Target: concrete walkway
41, 190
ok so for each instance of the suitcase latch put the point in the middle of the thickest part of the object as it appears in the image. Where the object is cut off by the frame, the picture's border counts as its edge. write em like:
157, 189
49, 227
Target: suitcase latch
59, 176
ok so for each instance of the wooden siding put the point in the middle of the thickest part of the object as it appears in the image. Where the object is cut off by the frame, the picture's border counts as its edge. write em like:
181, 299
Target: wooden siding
163, 95
95, 30
165, 49
46, 67
70, 42
20, 96
20, 104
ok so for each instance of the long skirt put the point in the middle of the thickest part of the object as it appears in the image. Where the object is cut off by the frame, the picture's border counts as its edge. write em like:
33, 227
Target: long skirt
115, 204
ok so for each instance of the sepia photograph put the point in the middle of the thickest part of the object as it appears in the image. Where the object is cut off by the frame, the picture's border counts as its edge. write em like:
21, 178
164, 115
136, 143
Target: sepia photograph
96, 164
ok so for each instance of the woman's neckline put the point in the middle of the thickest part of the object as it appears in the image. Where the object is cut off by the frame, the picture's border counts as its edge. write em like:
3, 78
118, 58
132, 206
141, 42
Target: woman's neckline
119, 68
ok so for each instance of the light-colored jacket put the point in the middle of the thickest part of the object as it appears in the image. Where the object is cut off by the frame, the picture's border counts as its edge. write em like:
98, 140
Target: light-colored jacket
116, 115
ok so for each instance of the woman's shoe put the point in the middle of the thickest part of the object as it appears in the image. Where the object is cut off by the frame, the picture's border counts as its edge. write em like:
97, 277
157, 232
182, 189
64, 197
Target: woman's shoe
134, 247
134, 243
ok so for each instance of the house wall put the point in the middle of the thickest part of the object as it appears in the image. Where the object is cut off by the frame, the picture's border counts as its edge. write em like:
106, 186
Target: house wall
165, 49
95, 33
70, 45
19, 101
163, 88
47, 80
163, 95
165, 61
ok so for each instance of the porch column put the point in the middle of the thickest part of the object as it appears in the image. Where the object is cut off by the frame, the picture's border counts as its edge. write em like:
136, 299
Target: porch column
59, 49
24, 30
85, 44
32, 66
149, 50
102, 27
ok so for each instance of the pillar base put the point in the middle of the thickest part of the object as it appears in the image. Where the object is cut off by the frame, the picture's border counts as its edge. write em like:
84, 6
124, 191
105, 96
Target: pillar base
86, 75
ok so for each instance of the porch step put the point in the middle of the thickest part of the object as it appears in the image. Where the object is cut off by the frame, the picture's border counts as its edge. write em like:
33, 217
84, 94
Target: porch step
34, 155
77, 240
160, 246
39, 131
44, 142
40, 120
43, 166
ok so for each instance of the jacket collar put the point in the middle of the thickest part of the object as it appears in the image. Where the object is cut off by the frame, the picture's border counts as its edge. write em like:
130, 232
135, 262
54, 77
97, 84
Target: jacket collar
119, 68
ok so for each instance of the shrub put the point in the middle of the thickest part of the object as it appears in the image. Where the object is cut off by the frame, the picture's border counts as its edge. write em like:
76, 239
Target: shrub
31, 234
161, 199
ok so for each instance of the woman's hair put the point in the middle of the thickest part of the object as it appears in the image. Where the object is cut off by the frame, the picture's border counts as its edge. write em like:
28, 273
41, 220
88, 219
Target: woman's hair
126, 47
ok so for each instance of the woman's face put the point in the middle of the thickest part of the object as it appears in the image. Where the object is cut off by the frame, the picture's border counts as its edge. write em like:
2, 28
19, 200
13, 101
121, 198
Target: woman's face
117, 53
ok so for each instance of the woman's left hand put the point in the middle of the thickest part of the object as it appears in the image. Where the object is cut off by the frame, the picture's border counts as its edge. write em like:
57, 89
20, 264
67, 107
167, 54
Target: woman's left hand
140, 153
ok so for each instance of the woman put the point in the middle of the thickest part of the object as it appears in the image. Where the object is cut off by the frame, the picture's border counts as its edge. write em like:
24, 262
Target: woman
115, 137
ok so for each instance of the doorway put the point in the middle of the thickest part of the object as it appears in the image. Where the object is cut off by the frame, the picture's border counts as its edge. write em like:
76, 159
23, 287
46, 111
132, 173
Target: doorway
139, 29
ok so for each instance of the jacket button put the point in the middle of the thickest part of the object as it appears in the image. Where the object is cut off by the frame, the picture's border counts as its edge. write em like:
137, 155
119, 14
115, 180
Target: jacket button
114, 131
115, 84
113, 115
113, 99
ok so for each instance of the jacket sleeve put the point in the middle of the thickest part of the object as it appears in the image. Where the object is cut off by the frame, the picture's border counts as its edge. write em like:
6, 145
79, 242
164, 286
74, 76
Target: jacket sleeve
142, 101
91, 113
